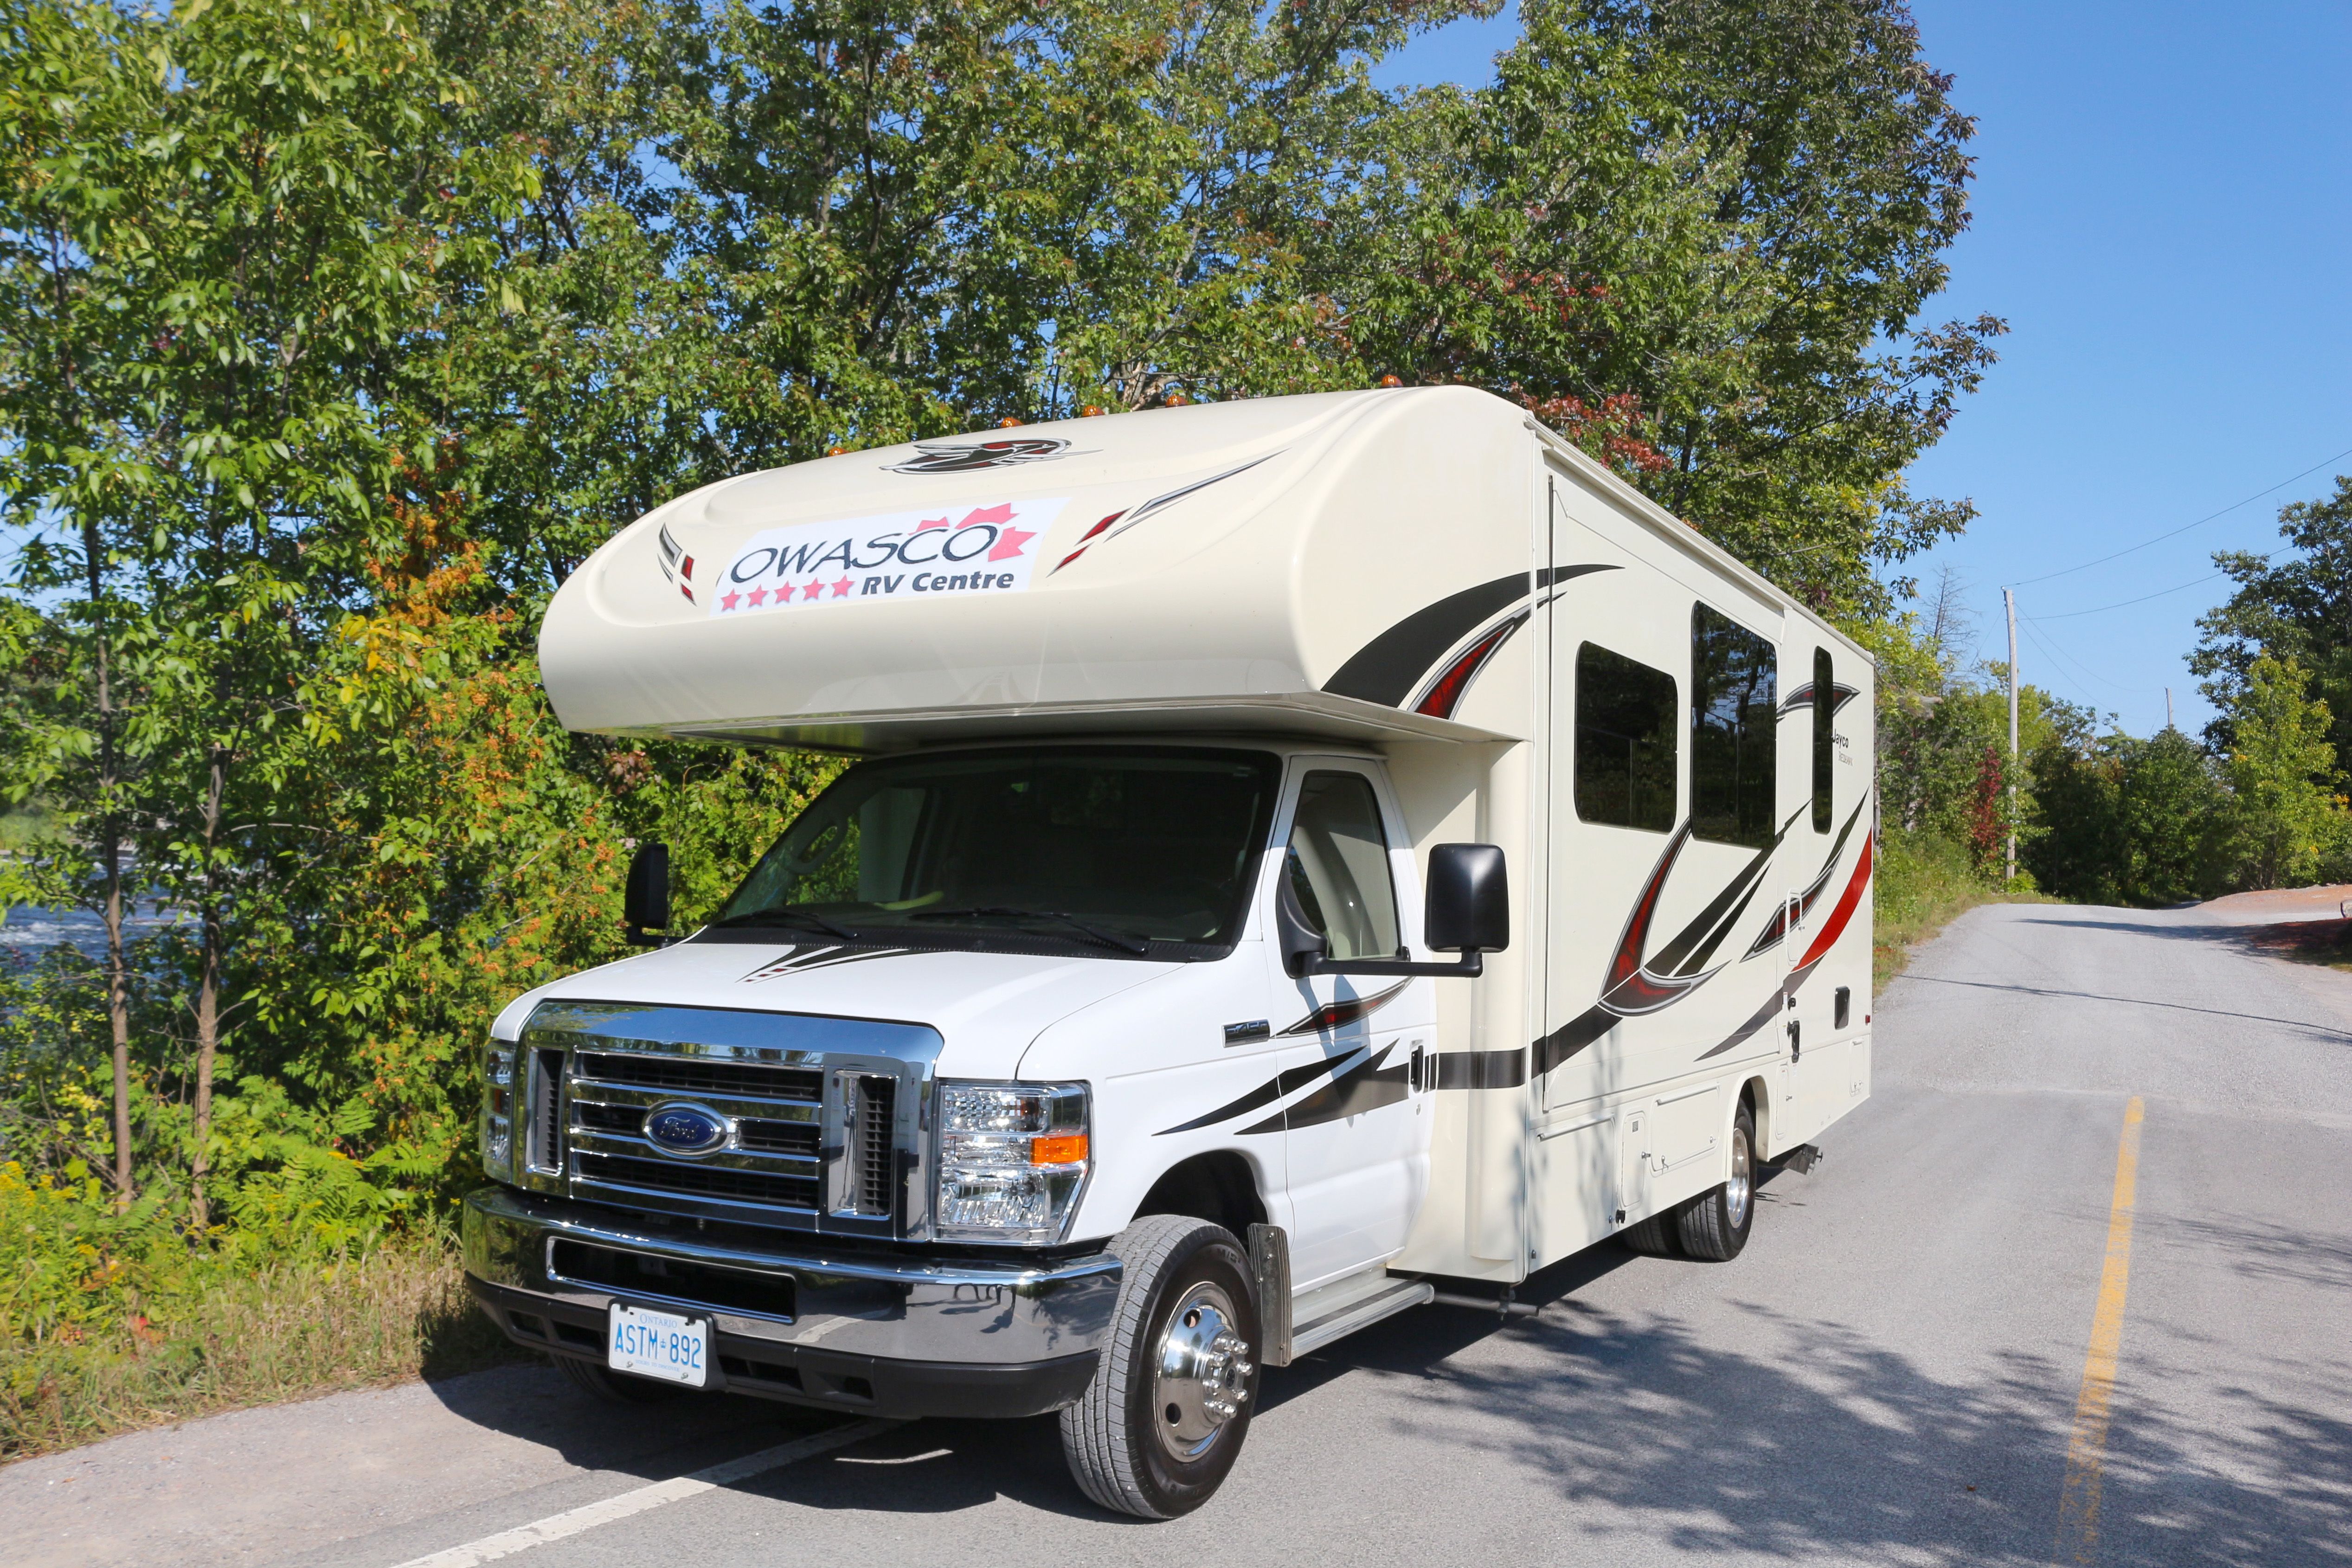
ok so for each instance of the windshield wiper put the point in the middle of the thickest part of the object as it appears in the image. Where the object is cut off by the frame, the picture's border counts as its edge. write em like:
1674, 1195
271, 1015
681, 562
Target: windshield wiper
790, 917
1126, 942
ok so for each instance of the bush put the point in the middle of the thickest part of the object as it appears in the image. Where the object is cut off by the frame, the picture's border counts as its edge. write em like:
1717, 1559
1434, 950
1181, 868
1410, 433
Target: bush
110, 1321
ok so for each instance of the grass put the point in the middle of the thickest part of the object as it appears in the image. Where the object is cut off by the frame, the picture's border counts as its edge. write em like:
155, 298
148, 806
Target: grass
1924, 883
253, 1337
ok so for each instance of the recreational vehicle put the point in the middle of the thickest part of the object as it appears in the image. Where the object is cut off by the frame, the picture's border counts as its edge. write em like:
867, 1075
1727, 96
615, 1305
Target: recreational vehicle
1304, 858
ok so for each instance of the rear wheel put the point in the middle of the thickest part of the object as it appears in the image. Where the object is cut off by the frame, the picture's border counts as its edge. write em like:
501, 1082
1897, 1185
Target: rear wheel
1653, 1237
1158, 1428
612, 1387
1715, 1227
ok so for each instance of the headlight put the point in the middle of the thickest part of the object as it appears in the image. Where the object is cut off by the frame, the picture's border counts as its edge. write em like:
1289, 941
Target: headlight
497, 1111
1012, 1159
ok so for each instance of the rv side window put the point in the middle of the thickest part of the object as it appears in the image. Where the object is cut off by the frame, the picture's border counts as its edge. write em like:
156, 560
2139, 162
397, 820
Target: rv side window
1338, 866
1735, 687
1824, 735
1625, 731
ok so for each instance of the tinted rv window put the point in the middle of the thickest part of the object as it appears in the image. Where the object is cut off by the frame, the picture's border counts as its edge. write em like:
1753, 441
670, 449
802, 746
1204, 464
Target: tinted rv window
1734, 692
1625, 728
1824, 735
1096, 849
1338, 866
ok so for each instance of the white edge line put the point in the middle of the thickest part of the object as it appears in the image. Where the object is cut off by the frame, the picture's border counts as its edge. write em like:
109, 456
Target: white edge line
556, 1526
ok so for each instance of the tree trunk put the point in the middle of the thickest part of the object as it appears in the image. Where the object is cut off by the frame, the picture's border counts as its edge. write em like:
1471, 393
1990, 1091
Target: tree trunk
207, 993
110, 855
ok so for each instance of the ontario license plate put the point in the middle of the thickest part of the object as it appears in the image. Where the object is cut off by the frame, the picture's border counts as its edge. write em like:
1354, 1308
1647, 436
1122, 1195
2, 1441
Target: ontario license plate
658, 1344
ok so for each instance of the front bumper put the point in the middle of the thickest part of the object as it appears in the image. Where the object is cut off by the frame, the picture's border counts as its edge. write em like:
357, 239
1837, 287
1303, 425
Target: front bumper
882, 1336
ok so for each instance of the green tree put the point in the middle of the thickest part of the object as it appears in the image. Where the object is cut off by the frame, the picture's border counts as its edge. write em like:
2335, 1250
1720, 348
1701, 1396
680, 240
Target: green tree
2299, 608
2284, 814
1698, 235
2168, 805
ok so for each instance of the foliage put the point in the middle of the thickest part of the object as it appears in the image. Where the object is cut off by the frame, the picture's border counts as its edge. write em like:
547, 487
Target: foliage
2298, 609
1698, 235
2286, 821
2127, 821
107, 1320
1921, 883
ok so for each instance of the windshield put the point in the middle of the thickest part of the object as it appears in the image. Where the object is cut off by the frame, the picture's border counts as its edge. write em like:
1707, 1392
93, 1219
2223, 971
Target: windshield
1108, 848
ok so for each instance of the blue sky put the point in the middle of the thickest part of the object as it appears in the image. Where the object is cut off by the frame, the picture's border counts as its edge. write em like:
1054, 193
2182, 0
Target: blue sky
2162, 217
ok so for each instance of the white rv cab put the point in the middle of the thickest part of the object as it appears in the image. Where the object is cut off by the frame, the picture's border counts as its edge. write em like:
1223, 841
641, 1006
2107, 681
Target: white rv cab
1306, 857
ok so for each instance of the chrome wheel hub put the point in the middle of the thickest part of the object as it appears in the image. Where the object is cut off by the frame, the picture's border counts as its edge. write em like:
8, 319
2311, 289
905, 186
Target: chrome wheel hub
1740, 1190
1201, 1376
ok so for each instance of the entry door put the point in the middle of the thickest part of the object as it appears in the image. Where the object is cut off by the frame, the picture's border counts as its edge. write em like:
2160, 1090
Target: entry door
1359, 1129
1619, 653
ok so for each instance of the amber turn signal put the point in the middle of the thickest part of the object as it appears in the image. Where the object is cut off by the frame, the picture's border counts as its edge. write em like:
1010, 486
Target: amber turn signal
1067, 1150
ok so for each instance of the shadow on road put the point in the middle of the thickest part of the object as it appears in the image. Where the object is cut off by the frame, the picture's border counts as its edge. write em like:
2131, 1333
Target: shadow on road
2302, 1025
1811, 1441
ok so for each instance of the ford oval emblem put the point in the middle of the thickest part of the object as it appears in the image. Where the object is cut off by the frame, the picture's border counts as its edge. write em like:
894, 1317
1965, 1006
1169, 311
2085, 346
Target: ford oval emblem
685, 1129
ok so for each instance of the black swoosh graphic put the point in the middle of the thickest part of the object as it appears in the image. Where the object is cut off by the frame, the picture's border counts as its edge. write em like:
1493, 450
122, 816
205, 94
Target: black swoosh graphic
1481, 1069
1266, 1093
1386, 669
1763, 1015
1367, 1086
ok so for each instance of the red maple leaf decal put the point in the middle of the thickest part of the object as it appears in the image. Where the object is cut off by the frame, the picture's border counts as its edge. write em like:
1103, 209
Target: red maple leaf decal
989, 515
930, 522
1008, 544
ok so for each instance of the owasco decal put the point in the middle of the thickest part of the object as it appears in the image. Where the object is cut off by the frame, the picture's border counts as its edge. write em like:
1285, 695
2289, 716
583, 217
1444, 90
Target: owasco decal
917, 555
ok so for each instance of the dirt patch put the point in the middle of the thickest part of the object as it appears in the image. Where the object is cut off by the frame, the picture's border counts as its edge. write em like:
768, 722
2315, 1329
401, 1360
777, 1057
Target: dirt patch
2327, 942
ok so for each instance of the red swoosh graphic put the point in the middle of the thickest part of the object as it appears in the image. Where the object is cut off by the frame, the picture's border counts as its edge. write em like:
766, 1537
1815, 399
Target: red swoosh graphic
1848, 901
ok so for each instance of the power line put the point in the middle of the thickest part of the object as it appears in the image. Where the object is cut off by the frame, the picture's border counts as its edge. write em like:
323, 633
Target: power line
2184, 528
2144, 598
2047, 642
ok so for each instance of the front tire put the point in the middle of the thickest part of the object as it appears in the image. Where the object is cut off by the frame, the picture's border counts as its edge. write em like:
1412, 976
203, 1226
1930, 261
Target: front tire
1158, 1428
1716, 1225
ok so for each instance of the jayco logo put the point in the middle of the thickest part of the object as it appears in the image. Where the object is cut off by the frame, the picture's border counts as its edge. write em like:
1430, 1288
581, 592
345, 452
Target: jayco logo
901, 555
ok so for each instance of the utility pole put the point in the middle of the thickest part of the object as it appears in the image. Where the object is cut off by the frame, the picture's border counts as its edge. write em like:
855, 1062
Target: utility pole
2008, 601
2168, 707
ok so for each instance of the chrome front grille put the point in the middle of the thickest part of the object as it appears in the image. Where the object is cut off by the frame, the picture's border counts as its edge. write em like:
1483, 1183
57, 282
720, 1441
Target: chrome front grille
697, 1075
773, 1159
823, 1117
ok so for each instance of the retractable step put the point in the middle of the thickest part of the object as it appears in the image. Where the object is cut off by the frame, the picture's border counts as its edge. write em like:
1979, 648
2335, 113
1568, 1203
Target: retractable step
1333, 1311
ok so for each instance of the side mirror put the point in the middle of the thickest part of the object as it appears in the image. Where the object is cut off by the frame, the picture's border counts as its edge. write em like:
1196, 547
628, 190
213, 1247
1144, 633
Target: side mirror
1468, 912
1469, 902
645, 900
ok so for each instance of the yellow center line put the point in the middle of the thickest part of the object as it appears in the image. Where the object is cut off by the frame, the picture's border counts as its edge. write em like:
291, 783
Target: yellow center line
2086, 1451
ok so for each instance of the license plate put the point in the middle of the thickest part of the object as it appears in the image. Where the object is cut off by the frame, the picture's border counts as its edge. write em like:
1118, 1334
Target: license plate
659, 1344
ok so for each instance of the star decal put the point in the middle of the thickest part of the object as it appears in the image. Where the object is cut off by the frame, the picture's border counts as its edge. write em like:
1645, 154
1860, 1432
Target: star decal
812, 590
726, 601
759, 597
841, 589
1008, 544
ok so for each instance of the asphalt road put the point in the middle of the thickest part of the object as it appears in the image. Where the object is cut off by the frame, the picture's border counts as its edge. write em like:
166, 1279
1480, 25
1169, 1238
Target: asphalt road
1890, 1375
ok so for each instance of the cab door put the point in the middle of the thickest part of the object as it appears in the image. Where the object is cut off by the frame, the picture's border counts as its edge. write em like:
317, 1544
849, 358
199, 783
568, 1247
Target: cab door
1358, 1069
